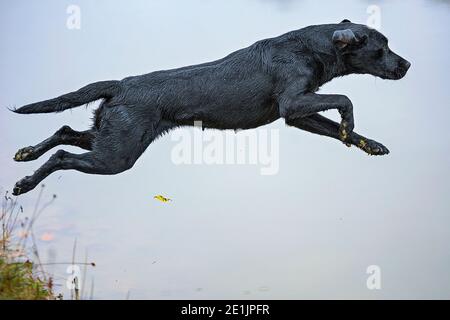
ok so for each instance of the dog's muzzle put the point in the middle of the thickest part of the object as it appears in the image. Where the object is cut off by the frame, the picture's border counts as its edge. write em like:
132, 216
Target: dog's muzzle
402, 69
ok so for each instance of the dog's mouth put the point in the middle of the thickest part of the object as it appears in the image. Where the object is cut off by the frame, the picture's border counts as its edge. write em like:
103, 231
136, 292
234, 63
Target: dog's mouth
397, 74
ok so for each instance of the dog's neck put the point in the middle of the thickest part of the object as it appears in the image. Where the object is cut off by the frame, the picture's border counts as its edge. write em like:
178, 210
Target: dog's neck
334, 66
331, 61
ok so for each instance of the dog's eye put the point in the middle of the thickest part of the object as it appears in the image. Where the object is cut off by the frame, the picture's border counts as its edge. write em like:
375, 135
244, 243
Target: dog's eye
379, 54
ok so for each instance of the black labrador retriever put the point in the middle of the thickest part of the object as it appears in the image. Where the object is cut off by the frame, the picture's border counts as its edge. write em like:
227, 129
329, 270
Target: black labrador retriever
251, 87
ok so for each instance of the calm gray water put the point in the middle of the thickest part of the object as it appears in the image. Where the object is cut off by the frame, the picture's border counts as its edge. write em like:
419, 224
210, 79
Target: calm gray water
309, 231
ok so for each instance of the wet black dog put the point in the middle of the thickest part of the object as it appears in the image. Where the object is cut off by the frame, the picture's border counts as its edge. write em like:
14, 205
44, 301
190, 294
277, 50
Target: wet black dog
251, 87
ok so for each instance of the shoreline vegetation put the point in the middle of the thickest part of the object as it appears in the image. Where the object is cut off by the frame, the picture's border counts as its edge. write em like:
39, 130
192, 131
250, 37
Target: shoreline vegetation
21, 277
22, 273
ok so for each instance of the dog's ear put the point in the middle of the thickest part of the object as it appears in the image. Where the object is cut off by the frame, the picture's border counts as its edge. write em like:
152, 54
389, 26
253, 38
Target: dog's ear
343, 39
345, 20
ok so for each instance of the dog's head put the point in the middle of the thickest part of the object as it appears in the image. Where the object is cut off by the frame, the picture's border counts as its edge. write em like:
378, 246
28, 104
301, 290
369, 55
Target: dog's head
365, 50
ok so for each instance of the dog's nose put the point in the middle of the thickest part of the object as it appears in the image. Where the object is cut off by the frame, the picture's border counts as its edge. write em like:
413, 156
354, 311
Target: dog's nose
405, 64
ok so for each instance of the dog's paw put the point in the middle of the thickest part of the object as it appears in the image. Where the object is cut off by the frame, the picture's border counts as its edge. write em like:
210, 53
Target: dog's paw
25, 154
345, 130
23, 186
372, 147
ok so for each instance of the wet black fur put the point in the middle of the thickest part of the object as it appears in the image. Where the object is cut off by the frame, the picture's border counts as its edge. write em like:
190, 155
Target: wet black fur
251, 87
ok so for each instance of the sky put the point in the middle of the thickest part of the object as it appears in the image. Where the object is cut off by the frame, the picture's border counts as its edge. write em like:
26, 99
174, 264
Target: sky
311, 230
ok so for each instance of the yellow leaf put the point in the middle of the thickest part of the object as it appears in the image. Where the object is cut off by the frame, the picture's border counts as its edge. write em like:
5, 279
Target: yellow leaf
162, 198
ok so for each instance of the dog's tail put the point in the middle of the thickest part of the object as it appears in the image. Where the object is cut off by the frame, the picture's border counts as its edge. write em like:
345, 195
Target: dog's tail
89, 93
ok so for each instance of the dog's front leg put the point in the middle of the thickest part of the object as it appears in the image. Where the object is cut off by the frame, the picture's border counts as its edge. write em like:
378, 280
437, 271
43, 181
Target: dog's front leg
297, 106
321, 125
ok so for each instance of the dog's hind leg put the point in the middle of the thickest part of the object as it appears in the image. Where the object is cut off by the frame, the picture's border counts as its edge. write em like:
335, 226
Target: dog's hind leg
323, 126
118, 143
65, 135
89, 162
92, 162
